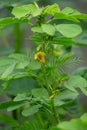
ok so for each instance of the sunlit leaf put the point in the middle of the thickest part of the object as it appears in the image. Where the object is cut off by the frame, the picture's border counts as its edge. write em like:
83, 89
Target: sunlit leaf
48, 28
23, 10
69, 30
66, 17
10, 20
70, 11
52, 9
84, 118
37, 29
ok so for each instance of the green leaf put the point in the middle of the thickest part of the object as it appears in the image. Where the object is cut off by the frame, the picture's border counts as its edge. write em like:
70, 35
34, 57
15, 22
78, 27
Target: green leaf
67, 41
64, 97
66, 17
22, 65
70, 11
74, 124
24, 10
18, 75
37, 12
82, 71
5, 63
79, 125
82, 39
21, 97
23, 85
52, 9
74, 13
69, 30
31, 110
81, 16
18, 57
74, 107
16, 105
84, 118
5, 105
40, 93
63, 41
70, 14
35, 38
8, 71
35, 65
84, 90
37, 29
9, 66
77, 82
21, 59
67, 95
8, 21
66, 126
48, 28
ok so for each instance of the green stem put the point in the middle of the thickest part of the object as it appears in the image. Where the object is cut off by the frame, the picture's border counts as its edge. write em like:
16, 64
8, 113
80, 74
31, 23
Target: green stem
48, 86
55, 114
17, 38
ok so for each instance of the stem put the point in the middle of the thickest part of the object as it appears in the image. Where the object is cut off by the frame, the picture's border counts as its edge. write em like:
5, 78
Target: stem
56, 115
36, 5
48, 85
17, 38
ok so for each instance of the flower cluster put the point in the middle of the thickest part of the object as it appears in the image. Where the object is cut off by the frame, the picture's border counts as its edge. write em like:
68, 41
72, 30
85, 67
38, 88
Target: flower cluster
40, 56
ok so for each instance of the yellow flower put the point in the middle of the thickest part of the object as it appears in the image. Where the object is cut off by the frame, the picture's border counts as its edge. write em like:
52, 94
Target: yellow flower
52, 96
54, 93
40, 56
